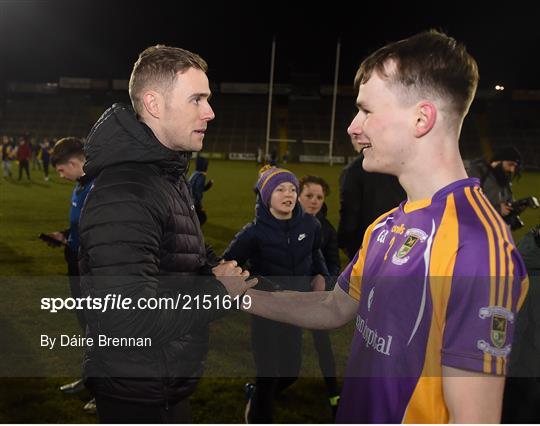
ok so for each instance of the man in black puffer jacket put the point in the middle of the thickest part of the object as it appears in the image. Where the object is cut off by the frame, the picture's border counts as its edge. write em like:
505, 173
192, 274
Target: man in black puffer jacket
140, 238
363, 198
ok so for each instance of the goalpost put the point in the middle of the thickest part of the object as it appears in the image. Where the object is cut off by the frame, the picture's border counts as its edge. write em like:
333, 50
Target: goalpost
330, 142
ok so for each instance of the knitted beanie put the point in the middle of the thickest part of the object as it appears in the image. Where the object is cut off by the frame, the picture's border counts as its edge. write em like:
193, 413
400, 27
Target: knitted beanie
270, 178
507, 153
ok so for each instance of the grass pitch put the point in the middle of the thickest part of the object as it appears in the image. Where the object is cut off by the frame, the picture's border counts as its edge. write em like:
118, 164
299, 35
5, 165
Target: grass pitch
30, 375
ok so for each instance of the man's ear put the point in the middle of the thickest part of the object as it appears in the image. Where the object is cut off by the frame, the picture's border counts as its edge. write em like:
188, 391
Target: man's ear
426, 116
152, 103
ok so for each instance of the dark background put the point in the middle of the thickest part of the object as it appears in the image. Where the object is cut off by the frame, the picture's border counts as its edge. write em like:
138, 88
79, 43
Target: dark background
43, 40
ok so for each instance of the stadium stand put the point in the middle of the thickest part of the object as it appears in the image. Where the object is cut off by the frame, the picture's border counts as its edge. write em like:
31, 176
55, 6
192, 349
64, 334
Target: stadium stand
240, 123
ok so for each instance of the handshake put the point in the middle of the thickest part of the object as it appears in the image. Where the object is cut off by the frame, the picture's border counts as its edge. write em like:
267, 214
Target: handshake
236, 280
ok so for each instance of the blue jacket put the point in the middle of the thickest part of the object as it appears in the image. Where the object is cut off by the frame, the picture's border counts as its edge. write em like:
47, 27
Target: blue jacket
198, 185
84, 185
288, 249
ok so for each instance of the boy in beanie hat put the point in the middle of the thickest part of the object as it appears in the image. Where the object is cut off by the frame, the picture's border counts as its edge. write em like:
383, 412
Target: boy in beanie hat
272, 177
198, 186
282, 243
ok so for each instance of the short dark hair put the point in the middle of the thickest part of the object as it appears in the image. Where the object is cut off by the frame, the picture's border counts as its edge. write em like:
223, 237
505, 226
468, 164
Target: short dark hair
158, 65
429, 62
305, 180
66, 149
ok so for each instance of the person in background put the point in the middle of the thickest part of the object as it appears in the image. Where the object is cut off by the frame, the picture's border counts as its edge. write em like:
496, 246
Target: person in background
198, 186
282, 245
68, 160
363, 196
36, 151
522, 391
496, 177
313, 193
45, 157
7, 156
24, 153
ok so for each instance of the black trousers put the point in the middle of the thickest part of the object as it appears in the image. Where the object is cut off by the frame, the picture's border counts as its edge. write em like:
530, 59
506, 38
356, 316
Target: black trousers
201, 214
72, 260
23, 164
327, 363
277, 350
521, 402
118, 411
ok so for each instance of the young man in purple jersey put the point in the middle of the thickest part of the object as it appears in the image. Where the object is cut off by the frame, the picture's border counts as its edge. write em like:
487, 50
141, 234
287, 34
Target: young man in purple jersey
437, 283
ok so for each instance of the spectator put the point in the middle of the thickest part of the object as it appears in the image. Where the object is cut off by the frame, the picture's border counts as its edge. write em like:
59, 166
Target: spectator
24, 153
68, 159
45, 157
7, 156
496, 177
313, 193
281, 243
363, 198
198, 186
522, 391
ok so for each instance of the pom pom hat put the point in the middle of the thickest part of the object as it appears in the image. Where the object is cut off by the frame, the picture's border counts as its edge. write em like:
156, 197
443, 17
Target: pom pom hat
270, 178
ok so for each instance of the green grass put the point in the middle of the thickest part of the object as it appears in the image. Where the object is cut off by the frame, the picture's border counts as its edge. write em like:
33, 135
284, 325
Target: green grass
30, 375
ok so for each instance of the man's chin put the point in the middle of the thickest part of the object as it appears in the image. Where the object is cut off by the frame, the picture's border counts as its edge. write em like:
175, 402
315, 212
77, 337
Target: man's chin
372, 167
368, 166
196, 146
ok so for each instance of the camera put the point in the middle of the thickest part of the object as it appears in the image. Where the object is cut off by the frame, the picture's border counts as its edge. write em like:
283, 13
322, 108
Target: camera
518, 207
536, 233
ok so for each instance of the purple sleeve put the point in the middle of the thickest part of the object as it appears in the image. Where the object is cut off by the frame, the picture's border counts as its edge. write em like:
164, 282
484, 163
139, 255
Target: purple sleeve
345, 277
481, 316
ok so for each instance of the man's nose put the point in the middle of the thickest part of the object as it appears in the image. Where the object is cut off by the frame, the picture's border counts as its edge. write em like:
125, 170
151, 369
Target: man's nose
355, 128
209, 114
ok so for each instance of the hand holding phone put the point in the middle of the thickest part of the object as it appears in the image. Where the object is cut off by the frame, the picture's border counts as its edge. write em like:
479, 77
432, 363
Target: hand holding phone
54, 239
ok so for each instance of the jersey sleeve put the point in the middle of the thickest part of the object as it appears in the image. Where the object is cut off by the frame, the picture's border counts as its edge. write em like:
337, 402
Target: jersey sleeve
350, 280
487, 287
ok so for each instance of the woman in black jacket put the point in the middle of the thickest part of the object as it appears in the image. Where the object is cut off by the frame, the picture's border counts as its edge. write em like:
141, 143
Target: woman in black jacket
281, 243
313, 192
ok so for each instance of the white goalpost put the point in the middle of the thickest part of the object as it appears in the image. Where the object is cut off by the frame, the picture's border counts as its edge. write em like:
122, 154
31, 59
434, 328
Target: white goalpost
330, 142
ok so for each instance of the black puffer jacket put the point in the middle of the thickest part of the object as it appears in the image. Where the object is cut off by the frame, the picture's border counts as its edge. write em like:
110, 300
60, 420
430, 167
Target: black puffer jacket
329, 243
140, 238
364, 197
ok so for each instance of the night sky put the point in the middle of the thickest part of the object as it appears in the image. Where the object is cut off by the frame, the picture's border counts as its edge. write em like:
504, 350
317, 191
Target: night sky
43, 40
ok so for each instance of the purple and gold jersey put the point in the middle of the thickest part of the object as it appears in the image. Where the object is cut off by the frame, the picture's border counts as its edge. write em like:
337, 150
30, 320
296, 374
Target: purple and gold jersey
439, 282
